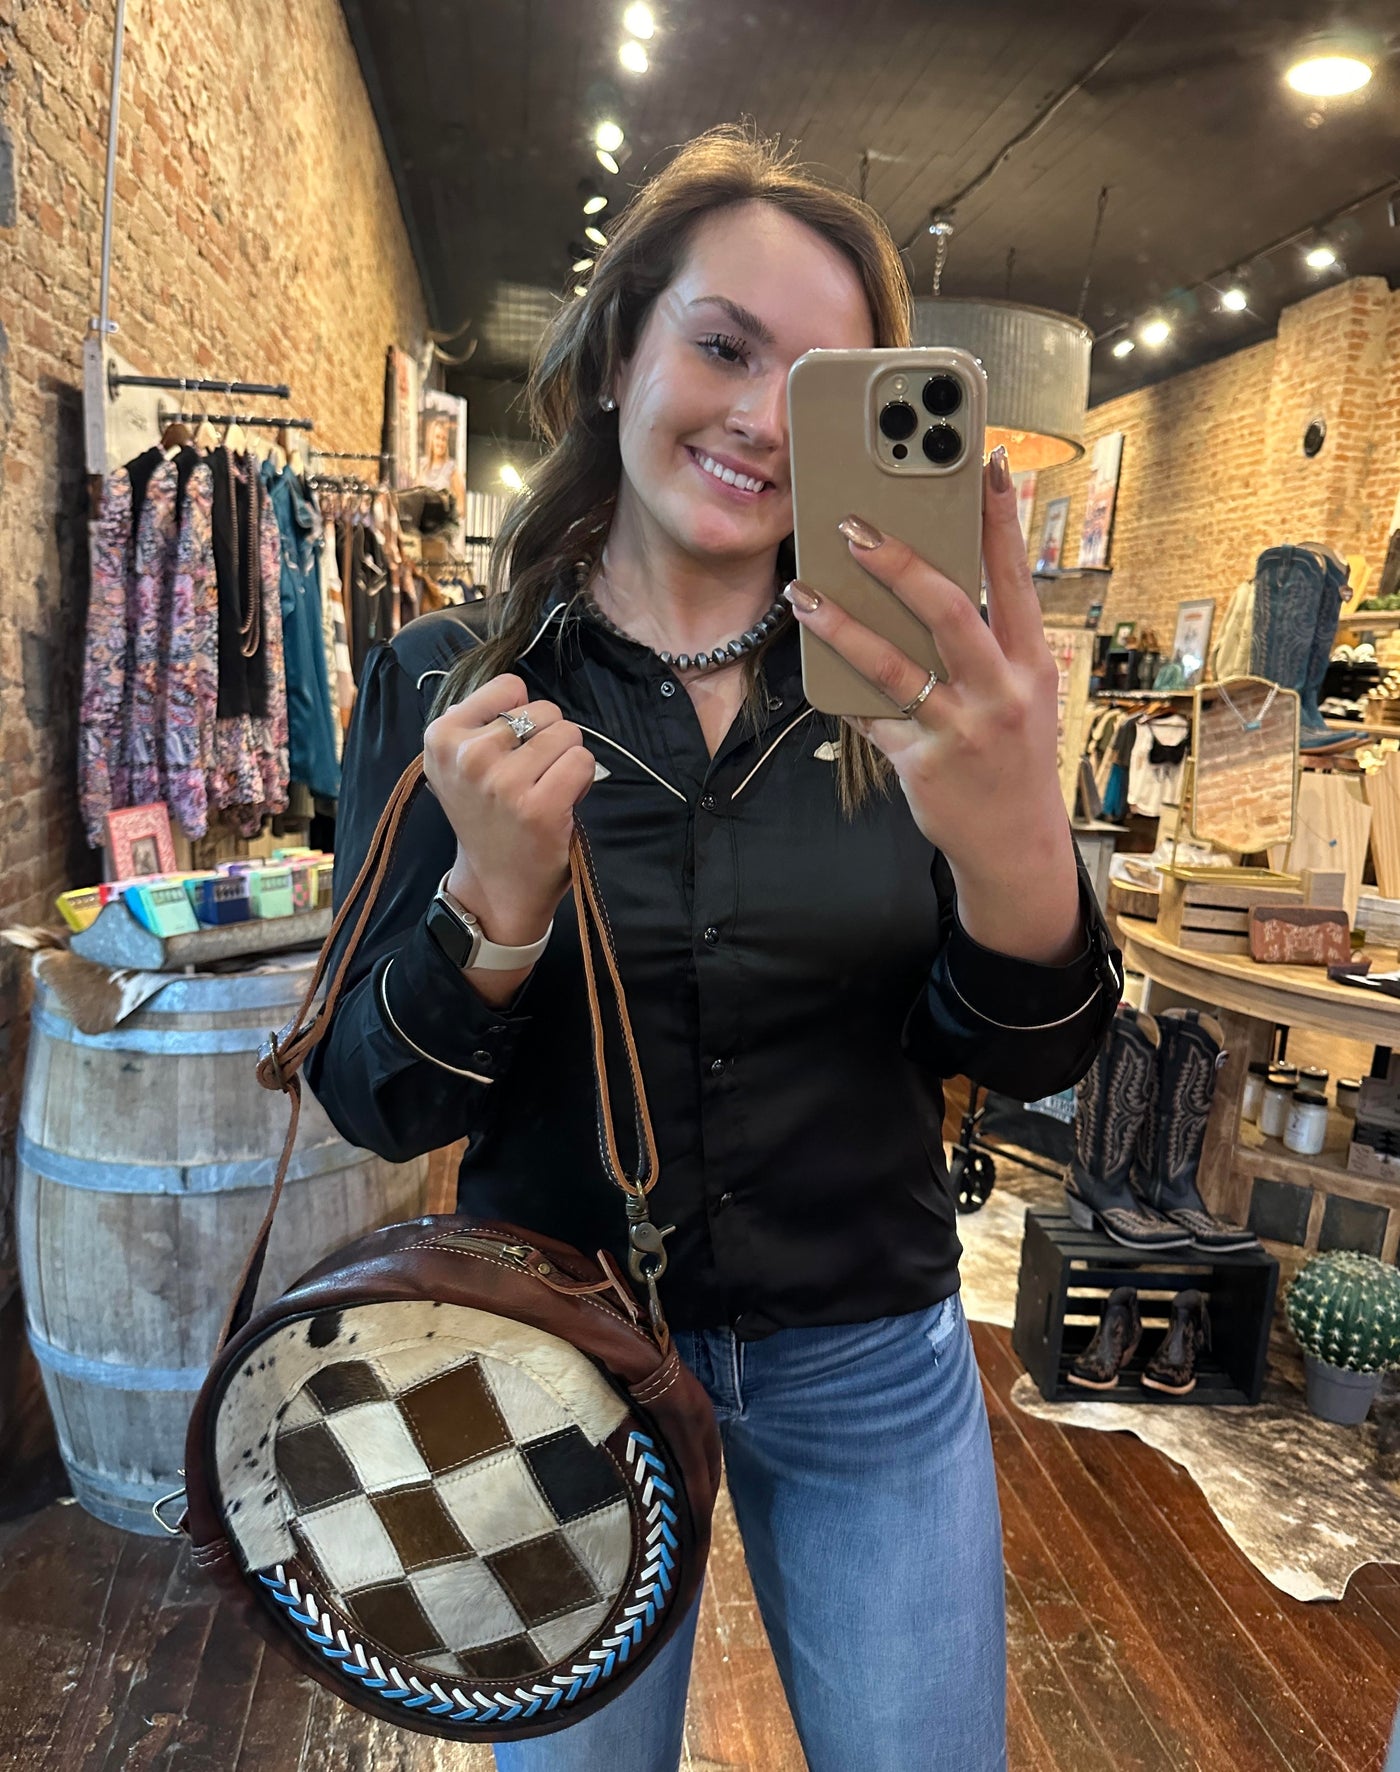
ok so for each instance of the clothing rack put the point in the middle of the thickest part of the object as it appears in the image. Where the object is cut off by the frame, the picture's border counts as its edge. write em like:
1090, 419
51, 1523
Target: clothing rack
267, 421
195, 385
351, 454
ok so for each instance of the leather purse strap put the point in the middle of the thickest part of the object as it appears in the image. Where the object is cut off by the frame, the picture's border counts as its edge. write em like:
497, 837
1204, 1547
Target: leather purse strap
280, 1062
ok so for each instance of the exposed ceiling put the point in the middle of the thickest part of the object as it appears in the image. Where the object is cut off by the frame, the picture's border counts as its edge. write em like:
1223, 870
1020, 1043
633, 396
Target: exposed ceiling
488, 111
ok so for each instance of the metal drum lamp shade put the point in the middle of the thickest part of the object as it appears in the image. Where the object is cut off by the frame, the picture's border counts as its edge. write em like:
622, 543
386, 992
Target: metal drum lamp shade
1037, 366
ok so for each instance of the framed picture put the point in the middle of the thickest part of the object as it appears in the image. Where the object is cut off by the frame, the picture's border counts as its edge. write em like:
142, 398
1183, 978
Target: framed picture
1122, 635
1052, 535
1191, 645
442, 445
1100, 500
1025, 502
139, 842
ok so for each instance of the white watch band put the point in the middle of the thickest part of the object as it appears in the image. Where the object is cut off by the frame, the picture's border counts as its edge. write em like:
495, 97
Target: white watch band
486, 955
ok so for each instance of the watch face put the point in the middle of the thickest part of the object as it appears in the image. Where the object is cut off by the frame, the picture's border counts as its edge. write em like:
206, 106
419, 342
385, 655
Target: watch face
450, 933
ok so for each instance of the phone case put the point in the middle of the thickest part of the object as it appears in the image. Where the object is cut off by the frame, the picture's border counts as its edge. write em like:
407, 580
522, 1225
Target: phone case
844, 459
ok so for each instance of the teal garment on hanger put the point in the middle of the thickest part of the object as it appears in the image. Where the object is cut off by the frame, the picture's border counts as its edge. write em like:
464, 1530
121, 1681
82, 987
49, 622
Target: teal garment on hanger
310, 716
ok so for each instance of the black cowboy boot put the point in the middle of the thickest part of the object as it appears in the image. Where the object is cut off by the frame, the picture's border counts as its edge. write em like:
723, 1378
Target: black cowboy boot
1110, 1104
1114, 1344
1173, 1367
1173, 1133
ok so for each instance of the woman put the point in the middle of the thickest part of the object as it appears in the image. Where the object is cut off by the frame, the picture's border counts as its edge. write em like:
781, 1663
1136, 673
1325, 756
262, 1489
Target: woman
807, 952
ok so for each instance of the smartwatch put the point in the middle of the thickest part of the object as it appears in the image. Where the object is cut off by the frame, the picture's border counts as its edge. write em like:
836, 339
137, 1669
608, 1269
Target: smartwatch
459, 935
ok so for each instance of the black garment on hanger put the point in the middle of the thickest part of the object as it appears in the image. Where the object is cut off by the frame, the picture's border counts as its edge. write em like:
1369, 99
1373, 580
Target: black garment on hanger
368, 591
238, 574
1163, 754
139, 473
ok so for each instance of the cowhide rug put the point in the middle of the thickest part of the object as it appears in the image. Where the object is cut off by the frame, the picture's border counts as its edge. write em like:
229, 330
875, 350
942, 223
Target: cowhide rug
1306, 1502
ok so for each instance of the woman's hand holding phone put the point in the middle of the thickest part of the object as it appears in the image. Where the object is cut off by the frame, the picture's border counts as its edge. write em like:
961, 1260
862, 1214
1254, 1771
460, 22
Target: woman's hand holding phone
977, 759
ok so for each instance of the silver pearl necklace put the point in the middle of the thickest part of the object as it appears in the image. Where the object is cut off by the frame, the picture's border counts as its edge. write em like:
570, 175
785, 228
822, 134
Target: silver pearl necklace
716, 658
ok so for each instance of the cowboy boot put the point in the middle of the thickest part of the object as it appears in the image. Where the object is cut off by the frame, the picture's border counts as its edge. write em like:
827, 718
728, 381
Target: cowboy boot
1168, 1152
1114, 1344
1288, 588
1110, 1102
1313, 730
1173, 1367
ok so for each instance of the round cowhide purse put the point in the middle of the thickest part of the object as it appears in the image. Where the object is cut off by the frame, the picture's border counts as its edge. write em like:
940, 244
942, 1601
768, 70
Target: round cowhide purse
458, 1473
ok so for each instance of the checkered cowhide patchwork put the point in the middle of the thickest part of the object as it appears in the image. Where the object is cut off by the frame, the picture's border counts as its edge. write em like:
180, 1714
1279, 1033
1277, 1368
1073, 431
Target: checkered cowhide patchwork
455, 1508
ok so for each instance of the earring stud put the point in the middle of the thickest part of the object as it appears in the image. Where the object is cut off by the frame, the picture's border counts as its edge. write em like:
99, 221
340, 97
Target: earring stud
608, 404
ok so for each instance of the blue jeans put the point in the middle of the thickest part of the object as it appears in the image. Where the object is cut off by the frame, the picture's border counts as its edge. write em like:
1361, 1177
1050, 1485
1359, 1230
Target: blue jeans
860, 1466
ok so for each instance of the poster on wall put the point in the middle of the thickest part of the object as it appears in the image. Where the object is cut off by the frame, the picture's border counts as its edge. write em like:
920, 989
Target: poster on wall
1052, 536
1098, 504
1025, 502
442, 445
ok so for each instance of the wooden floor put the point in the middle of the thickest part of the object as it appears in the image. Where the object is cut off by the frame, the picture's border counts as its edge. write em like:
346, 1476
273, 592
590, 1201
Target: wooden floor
1139, 1638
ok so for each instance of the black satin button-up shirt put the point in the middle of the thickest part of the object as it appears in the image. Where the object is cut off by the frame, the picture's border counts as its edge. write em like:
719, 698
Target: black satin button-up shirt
799, 985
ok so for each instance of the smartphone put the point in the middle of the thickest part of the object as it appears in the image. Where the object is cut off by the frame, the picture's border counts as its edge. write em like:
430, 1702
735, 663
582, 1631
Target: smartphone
898, 437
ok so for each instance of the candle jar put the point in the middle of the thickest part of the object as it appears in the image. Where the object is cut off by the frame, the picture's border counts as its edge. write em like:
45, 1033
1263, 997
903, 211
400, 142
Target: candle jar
1255, 1079
1313, 1077
1273, 1111
1348, 1094
1287, 1073
1305, 1130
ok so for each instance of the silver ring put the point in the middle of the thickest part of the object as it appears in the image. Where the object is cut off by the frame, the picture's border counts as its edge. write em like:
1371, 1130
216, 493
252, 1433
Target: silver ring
912, 707
521, 725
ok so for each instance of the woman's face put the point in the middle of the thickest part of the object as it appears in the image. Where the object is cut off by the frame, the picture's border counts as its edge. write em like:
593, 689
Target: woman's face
705, 391
437, 440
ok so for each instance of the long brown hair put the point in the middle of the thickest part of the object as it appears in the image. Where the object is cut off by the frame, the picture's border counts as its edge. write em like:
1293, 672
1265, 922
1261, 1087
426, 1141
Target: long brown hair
563, 513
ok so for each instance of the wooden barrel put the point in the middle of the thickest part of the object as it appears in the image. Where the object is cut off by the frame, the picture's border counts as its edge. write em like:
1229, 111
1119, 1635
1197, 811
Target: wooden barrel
145, 1160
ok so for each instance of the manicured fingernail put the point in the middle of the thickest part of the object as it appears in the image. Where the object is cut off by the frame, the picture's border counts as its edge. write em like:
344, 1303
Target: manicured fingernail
802, 596
859, 533
999, 469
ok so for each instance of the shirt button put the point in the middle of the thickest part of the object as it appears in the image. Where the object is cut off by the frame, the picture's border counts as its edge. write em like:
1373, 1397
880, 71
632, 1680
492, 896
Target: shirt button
716, 1067
668, 687
774, 703
726, 1198
711, 937
707, 803
482, 1058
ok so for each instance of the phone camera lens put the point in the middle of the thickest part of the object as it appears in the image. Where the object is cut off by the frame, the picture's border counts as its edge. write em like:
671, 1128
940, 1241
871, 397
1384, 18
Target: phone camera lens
898, 420
899, 451
942, 395
942, 444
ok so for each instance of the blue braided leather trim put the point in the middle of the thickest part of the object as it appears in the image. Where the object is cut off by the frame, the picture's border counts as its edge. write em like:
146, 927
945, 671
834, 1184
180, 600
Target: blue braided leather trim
651, 1595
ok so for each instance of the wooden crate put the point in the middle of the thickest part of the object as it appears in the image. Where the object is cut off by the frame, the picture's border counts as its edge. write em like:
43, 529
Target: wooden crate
1212, 915
1067, 1275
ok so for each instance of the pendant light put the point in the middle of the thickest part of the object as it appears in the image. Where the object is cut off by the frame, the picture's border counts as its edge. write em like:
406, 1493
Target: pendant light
1037, 365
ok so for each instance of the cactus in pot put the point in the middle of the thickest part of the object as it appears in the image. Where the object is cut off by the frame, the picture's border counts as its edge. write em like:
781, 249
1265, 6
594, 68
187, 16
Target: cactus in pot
1344, 1309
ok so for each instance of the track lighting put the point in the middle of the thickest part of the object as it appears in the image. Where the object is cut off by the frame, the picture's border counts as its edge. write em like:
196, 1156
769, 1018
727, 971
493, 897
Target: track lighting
1234, 300
638, 20
597, 236
608, 137
1155, 334
1124, 348
633, 57
1320, 258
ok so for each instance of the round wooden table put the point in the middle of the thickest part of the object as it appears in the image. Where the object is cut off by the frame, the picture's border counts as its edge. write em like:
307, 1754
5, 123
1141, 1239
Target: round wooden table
1244, 1175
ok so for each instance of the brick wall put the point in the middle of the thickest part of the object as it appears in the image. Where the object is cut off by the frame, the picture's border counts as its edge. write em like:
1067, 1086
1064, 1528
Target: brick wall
256, 234
1213, 469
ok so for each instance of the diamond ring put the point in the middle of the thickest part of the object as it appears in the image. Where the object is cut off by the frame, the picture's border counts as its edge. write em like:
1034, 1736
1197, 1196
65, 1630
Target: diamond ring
521, 725
912, 707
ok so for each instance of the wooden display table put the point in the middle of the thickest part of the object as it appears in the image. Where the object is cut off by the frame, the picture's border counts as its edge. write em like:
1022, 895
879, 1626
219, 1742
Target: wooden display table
1244, 1175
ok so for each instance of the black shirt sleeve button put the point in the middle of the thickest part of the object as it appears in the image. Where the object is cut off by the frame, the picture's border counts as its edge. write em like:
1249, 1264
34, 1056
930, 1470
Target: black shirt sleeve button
707, 802
668, 686
774, 703
711, 937
483, 1057
716, 1067
726, 1198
